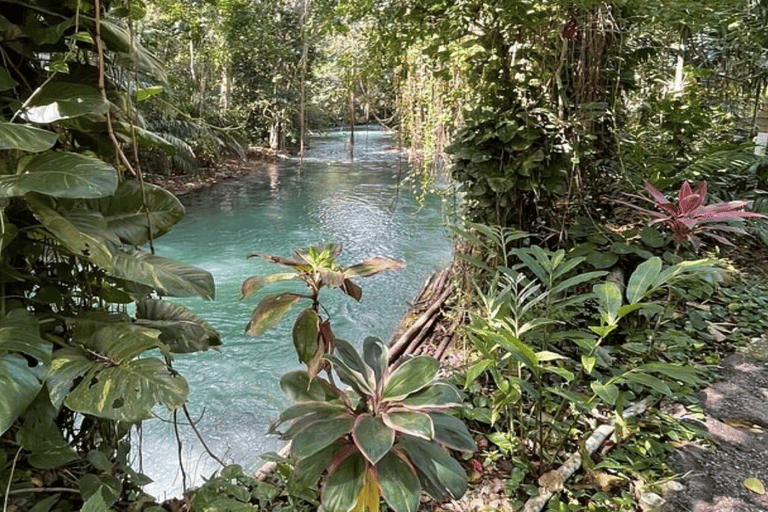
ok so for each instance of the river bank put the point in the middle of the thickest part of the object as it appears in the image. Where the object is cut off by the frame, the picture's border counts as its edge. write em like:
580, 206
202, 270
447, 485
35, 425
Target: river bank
223, 170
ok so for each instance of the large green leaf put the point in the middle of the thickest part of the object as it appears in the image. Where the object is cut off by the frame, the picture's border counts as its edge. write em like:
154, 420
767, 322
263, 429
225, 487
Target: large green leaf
270, 311
316, 408
60, 100
307, 471
20, 385
84, 244
25, 138
61, 174
6, 81
358, 382
609, 295
179, 327
399, 484
372, 266
131, 54
440, 475
102, 376
452, 433
440, 395
343, 485
372, 437
167, 276
321, 434
20, 332
347, 353
410, 422
411, 376
300, 388
130, 211
305, 331
642, 279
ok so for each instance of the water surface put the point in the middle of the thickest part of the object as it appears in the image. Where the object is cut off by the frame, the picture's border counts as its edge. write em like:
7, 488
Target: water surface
234, 391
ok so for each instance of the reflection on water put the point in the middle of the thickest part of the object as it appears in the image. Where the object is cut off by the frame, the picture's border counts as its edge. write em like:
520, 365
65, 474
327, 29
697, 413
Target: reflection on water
234, 392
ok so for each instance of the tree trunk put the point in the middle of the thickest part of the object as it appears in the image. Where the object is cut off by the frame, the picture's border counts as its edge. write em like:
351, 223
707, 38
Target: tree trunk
352, 124
761, 141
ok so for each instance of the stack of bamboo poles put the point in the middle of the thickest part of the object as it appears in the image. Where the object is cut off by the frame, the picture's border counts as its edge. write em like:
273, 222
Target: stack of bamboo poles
425, 329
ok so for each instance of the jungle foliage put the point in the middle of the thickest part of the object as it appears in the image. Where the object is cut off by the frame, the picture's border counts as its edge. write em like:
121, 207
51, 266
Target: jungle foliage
77, 371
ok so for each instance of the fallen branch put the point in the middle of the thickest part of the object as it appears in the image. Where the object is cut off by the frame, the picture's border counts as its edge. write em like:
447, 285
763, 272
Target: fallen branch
556, 478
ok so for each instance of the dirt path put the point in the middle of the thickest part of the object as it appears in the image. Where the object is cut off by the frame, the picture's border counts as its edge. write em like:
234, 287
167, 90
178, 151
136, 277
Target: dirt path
736, 410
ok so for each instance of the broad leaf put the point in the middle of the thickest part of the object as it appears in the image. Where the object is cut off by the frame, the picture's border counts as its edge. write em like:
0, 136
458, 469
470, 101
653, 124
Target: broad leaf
61, 174
60, 100
270, 311
372, 266
609, 295
320, 435
25, 138
347, 353
452, 433
6, 82
411, 376
642, 279
649, 381
130, 211
399, 484
167, 276
440, 395
376, 356
372, 437
369, 497
343, 485
317, 408
87, 245
305, 332
103, 377
356, 380
20, 385
181, 329
410, 422
255, 283
300, 388
608, 393
19, 332
440, 475
308, 470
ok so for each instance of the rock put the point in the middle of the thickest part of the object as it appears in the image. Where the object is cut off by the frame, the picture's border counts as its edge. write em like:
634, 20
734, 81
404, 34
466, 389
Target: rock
650, 501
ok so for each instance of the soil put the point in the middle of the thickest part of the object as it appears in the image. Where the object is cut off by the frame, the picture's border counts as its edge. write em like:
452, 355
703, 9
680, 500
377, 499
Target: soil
736, 417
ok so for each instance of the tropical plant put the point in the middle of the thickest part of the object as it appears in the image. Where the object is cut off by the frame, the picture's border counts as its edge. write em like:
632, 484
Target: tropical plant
75, 368
317, 268
388, 435
690, 217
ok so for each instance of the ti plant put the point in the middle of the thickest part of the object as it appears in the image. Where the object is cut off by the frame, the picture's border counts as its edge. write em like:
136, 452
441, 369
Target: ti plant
690, 217
387, 437
317, 268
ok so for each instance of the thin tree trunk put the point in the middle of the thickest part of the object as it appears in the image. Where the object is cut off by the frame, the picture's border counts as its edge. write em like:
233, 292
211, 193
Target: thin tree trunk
303, 105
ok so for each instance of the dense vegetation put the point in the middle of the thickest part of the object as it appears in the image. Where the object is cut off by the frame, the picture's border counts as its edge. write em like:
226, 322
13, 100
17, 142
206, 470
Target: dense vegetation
586, 289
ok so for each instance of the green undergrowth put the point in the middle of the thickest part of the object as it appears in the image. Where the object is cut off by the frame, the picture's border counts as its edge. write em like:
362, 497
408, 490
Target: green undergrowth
561, 343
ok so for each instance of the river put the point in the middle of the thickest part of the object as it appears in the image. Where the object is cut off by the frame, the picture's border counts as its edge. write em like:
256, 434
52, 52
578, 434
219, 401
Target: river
361, 203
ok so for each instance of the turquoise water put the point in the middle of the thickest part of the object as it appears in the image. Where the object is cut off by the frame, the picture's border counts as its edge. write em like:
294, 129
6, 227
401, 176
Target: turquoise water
234, 391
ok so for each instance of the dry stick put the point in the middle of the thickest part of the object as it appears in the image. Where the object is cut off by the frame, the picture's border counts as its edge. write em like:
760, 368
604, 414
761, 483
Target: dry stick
564, 472
400, 344
178, 442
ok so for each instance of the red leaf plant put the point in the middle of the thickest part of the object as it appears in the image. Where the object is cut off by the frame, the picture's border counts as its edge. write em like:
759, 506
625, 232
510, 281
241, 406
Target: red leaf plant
690, 217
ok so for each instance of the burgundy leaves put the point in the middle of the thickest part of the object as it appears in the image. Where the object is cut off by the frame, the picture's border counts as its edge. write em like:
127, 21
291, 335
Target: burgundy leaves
691, 217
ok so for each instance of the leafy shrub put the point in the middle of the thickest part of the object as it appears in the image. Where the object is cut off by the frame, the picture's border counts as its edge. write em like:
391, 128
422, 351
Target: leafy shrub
390, 432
